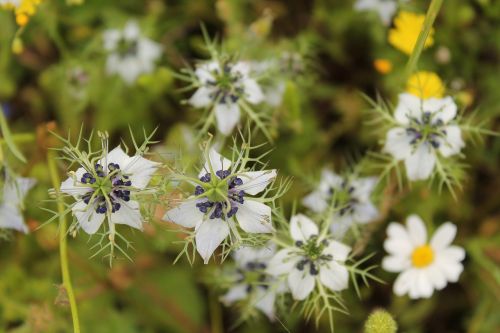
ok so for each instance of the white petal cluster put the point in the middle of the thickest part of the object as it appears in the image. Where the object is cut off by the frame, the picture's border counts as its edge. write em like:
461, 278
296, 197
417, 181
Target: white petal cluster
14, 191
384, 8
425, 129
353, 203
312, 259
424, 266
224, 88
262, 293
130, 54
213, 219
92, 207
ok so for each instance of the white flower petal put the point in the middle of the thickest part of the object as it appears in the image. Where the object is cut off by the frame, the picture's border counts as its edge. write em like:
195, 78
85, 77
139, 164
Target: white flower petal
186, 214
334, 276
452, 143
204, 71
118, 156
227, 116
452, 254
254, 217
444, 109
301, 284
416, 230
209, 235
128, 214
87, 217
420, 163
409, 106
12, 218
246, 254
315, 201
396, 263
234, 294
403, 282
329, 180
282, 262
398, 241
242, 68
425, 286
365, 212
72, 186
302, 228
397, 143
443, 236
363, 188
216, 161
201, 98
451, 270
255, 182
131, 30
111, 38
253, 93
437, 277
265, 302
140, 171
339, 251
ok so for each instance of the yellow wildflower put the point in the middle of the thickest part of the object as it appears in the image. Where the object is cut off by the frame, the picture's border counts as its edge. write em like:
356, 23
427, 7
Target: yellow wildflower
425, 85
23, 9
383, 66
405, 33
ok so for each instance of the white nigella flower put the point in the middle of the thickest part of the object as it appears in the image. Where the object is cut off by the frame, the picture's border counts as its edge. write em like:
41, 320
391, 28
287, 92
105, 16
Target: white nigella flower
224, 198
425, 128
312, 259
224, 87
11, 201
108, 189
130, 54
251, 280
424, 266
351, 197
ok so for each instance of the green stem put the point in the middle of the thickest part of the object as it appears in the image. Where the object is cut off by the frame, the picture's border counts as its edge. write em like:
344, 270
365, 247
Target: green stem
63, 246
422, 37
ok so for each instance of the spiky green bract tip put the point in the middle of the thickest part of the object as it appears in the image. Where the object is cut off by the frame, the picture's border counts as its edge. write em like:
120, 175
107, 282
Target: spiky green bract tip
380, 321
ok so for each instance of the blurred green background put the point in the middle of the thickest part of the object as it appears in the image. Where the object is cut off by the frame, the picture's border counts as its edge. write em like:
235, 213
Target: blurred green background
320, 122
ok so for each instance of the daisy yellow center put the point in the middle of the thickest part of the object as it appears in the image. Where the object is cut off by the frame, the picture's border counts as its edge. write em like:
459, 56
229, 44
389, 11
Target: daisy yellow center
422, 256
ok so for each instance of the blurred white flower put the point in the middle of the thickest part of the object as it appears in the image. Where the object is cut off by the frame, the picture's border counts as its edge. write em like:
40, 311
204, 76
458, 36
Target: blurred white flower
384, 8
425, 128
224, 87
312, 259
425, 266
252, 282
351, 198
130, 54
107, 189
11, 201
222, 199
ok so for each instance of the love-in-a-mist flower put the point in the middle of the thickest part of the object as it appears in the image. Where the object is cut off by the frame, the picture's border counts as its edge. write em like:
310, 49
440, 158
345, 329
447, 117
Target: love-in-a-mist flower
349, 197
225, 196
384, 8
251, 282
130, 53
312, 259
425, 128
407, 27
13, 191
424, 266
109, 189
224, 86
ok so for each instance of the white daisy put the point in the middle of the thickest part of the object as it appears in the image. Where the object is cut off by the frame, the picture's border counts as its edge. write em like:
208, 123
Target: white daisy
224, 87
223, 198
426, 127
351, 197
130, 54
251, 280
107, 189
11, 201
424, 266
312, 259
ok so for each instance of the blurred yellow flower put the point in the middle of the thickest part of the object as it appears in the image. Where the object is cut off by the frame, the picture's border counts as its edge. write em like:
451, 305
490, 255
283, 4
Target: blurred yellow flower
425, 85
383, 66
405, 33
23, 9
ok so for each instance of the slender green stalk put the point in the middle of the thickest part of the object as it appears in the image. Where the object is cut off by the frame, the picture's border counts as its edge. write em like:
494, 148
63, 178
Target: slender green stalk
63, 246
430, 17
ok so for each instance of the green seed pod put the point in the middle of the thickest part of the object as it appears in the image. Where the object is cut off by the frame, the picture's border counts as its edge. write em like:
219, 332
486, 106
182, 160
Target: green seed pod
380, 321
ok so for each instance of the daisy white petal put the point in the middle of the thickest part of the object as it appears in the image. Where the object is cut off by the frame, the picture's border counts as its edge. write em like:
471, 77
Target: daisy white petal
396, 263
416, 230
443, 236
